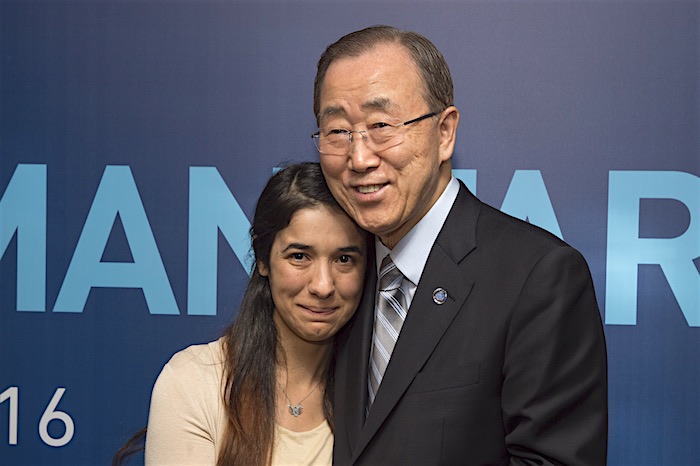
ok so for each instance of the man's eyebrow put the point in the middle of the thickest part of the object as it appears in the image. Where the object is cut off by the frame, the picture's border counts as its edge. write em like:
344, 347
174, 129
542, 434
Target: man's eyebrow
332, 110
381, 103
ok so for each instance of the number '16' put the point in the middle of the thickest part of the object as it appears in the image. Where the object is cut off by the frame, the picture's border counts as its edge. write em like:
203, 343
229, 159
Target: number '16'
50, 414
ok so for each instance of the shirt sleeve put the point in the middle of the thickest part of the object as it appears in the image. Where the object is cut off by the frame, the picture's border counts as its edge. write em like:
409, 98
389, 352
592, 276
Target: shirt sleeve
185, 412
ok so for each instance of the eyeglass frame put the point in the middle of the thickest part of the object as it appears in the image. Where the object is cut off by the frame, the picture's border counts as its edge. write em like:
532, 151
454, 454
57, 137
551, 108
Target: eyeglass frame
316, 136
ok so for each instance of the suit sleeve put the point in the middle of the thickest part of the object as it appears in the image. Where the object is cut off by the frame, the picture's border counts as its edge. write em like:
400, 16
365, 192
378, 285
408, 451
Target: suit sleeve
555, 369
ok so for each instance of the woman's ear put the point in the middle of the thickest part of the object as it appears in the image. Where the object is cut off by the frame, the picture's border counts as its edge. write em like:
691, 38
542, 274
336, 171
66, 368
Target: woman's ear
262, 269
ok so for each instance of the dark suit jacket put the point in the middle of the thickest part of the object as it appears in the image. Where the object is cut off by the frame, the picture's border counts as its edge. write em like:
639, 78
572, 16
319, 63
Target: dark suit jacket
511, 369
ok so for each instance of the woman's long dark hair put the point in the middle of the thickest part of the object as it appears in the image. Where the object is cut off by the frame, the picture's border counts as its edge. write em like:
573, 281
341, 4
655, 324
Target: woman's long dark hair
250, 342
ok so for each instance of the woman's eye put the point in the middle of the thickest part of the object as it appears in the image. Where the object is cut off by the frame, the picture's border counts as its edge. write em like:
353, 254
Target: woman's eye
379, 125
344, 259
298, 256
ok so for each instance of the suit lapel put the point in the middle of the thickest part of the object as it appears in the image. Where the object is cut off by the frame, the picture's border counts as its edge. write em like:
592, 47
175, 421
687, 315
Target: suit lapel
427, 320
353, 390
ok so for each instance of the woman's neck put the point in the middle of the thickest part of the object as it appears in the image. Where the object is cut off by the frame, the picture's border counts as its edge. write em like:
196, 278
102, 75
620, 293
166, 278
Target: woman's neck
301, 362
301, 372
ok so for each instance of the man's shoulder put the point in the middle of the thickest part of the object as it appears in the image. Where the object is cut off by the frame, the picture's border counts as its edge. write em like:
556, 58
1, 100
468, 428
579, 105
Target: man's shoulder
489, 226
518, 228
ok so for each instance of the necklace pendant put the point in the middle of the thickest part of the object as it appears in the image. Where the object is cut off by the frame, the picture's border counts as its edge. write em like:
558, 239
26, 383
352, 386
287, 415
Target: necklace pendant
295, 410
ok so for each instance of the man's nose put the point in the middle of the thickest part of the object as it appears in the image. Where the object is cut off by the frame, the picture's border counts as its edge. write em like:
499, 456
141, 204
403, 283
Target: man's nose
362, 157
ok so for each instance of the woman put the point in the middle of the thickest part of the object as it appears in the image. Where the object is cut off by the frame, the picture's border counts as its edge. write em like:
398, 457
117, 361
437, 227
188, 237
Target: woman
262, 393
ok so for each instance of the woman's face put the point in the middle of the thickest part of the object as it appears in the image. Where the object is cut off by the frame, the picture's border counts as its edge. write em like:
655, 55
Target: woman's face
316, 272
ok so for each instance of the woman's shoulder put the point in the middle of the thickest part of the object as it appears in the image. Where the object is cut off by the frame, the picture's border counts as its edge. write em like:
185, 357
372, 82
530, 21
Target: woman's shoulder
197, 365
187, 414
205, 355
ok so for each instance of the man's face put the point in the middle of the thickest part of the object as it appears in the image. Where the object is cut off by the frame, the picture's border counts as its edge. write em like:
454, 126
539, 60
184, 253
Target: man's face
386, 192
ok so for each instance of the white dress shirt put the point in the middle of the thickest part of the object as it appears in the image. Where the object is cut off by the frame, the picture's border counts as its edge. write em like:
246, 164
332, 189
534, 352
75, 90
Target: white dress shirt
411, 253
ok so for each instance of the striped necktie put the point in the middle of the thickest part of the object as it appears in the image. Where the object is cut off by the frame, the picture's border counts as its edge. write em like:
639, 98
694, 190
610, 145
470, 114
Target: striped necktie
389, 317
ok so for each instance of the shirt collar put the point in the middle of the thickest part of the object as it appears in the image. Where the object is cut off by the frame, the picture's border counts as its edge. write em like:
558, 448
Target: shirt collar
411, 253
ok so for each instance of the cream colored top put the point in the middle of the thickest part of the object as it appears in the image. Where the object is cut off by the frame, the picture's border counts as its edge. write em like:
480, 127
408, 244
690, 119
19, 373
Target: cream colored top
187, 417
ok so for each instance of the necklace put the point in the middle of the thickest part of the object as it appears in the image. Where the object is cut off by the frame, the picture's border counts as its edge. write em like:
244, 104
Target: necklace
295, 410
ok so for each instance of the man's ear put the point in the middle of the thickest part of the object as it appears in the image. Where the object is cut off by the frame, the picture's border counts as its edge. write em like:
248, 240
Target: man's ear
449, 120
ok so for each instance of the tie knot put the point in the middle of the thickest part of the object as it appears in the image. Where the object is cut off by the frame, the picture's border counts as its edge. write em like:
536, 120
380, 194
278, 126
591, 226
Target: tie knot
390, 276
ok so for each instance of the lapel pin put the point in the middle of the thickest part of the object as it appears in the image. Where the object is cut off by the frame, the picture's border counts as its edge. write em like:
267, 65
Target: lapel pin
439, 296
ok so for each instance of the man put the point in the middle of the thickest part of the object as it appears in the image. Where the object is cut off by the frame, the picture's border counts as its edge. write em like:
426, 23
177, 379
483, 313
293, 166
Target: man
487, 348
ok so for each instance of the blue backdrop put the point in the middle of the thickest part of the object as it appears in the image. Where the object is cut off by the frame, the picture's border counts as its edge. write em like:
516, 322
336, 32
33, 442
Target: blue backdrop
135, 138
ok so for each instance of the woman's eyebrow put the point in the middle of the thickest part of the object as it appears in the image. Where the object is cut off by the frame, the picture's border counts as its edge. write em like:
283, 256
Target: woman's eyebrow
300, 246
355, 249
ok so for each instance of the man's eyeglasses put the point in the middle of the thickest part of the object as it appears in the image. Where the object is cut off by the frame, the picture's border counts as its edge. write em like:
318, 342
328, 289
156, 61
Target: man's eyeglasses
378, 136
